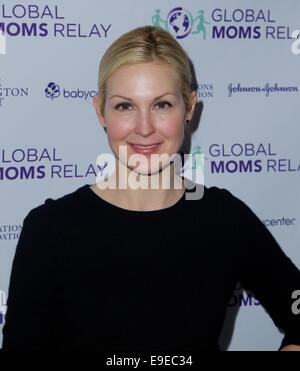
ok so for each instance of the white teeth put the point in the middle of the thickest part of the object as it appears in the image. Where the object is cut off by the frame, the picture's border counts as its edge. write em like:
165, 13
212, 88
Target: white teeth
145, 147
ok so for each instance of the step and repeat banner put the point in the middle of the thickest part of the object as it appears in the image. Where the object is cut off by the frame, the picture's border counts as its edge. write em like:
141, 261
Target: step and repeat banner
246, 56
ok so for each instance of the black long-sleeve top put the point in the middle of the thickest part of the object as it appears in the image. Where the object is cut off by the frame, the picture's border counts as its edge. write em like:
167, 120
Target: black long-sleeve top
89, 275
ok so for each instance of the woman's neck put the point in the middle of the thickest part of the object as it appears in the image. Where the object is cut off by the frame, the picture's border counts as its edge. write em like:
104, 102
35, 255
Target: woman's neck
142, 192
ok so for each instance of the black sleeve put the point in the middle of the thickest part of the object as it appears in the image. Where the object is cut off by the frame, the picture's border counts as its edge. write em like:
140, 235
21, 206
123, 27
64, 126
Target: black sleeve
266, 271
31, 305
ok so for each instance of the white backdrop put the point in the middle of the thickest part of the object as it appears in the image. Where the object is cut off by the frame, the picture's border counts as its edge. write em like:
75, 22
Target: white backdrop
247, 66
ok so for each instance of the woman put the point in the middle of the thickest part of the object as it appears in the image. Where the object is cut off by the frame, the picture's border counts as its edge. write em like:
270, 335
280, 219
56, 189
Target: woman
108, 267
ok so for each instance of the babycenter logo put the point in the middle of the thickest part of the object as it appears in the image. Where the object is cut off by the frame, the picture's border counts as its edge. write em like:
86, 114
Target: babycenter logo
2, 43
53, 90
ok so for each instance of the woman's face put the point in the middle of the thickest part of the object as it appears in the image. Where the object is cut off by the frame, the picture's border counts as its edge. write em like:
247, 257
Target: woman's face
144, 106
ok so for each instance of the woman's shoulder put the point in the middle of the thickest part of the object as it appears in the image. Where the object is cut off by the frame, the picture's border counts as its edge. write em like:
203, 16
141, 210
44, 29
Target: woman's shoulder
227, 204
220, 195
61, 207
216, 191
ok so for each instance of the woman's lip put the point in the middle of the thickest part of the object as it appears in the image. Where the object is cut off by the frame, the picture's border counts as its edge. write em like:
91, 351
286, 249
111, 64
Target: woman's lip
145, 145
145, 149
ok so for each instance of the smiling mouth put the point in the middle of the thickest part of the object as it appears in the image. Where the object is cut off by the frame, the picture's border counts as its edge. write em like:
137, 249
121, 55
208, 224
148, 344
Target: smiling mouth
145, 149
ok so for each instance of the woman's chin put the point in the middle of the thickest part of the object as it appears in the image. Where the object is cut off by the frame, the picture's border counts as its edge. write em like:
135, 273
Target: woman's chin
145, 171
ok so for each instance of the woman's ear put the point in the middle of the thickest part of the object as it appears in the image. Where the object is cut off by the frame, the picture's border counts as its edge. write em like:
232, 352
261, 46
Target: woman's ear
96, 104
189, 114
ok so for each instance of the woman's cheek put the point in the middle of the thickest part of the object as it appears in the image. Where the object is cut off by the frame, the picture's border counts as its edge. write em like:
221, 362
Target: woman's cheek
172, 129
118, 130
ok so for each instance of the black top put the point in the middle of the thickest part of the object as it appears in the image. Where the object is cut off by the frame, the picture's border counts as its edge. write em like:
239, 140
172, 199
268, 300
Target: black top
93, 276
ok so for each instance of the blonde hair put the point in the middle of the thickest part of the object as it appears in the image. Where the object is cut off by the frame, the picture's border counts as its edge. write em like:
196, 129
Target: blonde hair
142, 45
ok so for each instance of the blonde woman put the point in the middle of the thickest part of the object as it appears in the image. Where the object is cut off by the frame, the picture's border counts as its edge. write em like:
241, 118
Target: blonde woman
108, 267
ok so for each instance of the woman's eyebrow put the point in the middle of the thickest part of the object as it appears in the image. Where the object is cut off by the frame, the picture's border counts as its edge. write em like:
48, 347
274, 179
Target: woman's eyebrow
121, 96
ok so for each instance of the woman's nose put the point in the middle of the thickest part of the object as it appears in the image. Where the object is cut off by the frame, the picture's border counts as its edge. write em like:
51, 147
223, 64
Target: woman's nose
145, 123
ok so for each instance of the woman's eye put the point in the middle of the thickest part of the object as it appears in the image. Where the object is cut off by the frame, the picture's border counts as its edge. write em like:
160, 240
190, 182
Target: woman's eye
122, 106
164, 105
126, 106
